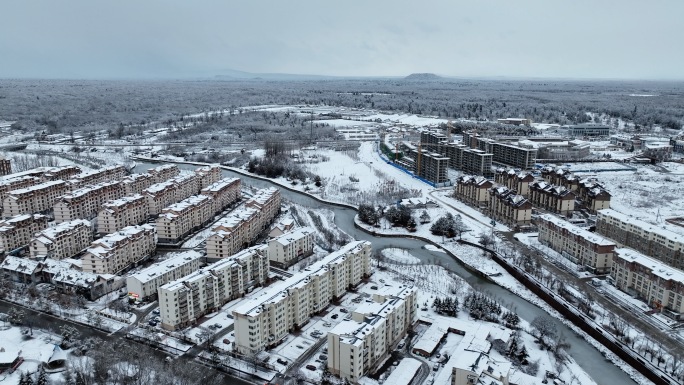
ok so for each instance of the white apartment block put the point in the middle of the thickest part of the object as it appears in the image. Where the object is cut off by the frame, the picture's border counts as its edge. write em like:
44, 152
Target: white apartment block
143, 285
232, 233
119, 251
660, 285
137, 183
18, 231
119, 213
106, 174
268, 202
7, 185
208, 175
291, 247
224, 192
183, 301
34, 199
178, 220
161, 195
84, 203
64, 240
59, 173
287, 305
580, 246
358, 345
164, 172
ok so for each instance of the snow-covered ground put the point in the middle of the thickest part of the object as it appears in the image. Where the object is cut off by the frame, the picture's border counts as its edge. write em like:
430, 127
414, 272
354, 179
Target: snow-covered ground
400, 256
35, 350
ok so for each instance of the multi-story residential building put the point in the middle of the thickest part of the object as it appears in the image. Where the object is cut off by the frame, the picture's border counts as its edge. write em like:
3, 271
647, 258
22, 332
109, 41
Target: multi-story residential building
476, 162
120, 251
34, 199
515, 180
563, 150
514, 156
557, 199
233, 233
180, 219
592, 195
64, 240
267, 200
291, 247
143, 285
186, 299
223, 193
119, 213
59, 173
358, 345
161, 195
287, 305
589, 129
506, 206
208, 175
9, 184
515, 121
473, 190
84, 203
653, 240
5, 166
581, 246
657, 283
431, 166
164, 172
137, 183
18, 231
106, 174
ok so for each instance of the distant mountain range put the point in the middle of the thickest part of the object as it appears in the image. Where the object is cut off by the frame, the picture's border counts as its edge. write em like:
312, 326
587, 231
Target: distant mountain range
243, 75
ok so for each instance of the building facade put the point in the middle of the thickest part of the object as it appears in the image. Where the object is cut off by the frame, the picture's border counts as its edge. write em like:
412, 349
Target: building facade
143, 285
5, 166
208, 175
180, 219
35, 199
287, 305
119, 213
64, 240
105, 174
18, 231
137, 183
291, 247
85, 202
580, 246
557, 199
514, 180
223, 193
473, 190
506, 206
117, 252
163, 172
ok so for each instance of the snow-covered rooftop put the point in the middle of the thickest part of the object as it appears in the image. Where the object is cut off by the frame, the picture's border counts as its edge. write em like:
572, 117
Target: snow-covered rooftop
586, 234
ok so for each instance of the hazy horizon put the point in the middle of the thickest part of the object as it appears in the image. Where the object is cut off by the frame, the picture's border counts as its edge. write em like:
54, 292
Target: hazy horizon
173, 39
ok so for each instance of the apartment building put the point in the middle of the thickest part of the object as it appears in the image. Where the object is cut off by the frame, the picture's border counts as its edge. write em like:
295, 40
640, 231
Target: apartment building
208, 175
232, 233
564, 150
506, 206
59, 173
223, 193
592, 195
359, 345
653, 240
143, 285
10, 184
120, 251
515, 121
18, 231
105, 174
119, 213
180, 219
137, 183
186, 299
473, 190
514, 156
85, 202
164, 172
267, 201
580, 246
161, 195
5, 166
268, 317
291, 247
557, 199
431, 166
657, 283
476, 162
64, 240
35, 199
514, 180
589, 129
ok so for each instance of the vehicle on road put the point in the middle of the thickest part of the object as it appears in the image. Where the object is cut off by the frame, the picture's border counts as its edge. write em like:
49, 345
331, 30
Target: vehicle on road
311, 367
281, 361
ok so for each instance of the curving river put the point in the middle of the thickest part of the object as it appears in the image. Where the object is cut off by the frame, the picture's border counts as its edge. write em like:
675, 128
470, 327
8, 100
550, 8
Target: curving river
590, 359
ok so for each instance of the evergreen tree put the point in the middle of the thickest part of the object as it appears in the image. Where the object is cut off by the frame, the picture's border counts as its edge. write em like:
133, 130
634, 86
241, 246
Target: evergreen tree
523, 355
42, 377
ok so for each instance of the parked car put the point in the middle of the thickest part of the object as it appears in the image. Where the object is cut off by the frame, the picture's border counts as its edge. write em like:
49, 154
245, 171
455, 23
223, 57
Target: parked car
281, 361
343, 310
218, 326
327, 324
311, 367
226, 341
334, 316
323, 357
156, 311
325, 350
152, 323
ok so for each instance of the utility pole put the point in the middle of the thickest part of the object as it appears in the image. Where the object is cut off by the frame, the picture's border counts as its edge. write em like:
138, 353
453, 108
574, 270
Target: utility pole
311, 128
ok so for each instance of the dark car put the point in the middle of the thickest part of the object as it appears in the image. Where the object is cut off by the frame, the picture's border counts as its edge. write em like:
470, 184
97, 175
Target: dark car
343, 310
334, 316
311, 367
281, 361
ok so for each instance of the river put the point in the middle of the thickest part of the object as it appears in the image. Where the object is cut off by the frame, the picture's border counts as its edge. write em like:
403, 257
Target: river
587, 356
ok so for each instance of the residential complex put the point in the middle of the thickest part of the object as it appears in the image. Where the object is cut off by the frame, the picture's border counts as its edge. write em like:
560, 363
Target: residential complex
119, 213
64, 240
137, 183
653, 240
473, 190
85, 202
180, 219
588, 129
9, 184
506, 206
514, 180
657, 283
208, 175
581, 246
431, 166
287, 305
476, 162
186, 299
106, 174
5, 166
588, 192
161, 195
291, 247
223, 193
513, 155
35, 199
143, 285
119, 251
163, 172
557, 199
355, 346
18, 231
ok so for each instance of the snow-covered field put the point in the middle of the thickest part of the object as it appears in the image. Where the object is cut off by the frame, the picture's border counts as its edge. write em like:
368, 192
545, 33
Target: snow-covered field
400, 256
35, 349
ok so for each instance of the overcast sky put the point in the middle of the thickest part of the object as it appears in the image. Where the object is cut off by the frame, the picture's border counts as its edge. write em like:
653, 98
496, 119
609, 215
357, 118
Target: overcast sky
474, 38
